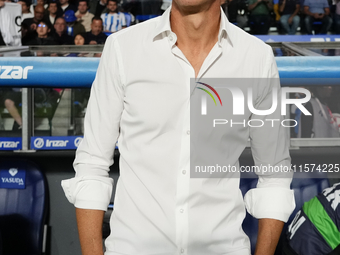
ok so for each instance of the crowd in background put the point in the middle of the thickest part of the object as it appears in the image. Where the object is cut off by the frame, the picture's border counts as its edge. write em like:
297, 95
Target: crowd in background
60, 22
311, 16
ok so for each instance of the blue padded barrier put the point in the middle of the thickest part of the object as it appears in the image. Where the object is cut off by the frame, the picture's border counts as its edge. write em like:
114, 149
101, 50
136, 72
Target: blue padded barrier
59, 72
49, 72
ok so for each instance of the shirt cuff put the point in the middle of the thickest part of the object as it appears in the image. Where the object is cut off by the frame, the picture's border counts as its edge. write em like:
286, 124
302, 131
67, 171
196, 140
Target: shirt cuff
273, 203
88, 192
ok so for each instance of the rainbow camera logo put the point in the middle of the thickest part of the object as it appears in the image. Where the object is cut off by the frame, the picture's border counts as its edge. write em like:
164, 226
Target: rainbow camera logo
204, 98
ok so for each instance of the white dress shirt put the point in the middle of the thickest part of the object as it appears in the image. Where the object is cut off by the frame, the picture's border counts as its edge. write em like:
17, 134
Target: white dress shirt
141, 96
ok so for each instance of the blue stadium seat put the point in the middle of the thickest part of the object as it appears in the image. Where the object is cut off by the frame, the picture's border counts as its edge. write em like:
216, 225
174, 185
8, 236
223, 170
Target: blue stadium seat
23, 212
304, 188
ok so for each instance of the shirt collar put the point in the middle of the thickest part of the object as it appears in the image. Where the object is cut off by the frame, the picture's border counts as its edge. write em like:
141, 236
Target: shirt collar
224, 32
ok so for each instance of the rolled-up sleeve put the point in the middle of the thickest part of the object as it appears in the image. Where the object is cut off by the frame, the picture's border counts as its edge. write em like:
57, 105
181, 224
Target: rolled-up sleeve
91, 188
272, 197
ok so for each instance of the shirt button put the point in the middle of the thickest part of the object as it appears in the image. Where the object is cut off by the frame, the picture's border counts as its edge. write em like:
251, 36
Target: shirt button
184, 172
171, 37
188, 132
181, 211
182, 250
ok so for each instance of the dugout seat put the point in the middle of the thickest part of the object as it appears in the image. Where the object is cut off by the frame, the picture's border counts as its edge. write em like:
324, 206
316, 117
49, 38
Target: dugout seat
23, 212
304, 188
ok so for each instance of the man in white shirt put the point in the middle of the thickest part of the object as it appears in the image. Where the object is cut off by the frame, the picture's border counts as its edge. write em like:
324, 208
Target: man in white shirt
25, 9
53, 13
83, 15
141, 96
113, 21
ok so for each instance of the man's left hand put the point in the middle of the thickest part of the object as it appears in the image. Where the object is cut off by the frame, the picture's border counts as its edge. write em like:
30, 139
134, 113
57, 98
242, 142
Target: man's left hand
268, 236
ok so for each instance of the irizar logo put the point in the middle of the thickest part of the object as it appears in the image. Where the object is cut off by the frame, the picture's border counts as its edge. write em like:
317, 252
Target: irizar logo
39, 143
77, 141
9, 144
56, 143
14, 72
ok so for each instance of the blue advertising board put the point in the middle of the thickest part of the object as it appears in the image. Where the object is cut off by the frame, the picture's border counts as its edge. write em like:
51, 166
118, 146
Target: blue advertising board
55, 142
10, 143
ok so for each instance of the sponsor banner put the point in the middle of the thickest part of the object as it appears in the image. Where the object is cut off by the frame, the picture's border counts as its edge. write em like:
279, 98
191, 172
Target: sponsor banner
55, 142
45, 72
80, 72
13, 178
10, 143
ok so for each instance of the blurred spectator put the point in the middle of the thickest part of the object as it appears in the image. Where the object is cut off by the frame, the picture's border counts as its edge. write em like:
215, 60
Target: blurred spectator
12, 101
65, 6
73, 27
2, 43
129, 17
30, 24
321, 123
337, 16
276, 11
113, 20
259, 18
25, 9
42, 2
101, 5
79, 39
47, 97
96, 36
83, 15
317, 10
54, 11
60, 36
315, 227
9, 28
290, 20
237, 12
42, 37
